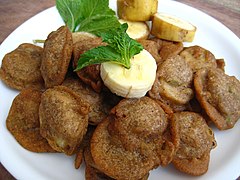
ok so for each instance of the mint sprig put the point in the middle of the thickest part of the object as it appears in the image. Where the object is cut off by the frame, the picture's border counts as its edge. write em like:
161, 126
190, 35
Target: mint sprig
87, 15
120, 49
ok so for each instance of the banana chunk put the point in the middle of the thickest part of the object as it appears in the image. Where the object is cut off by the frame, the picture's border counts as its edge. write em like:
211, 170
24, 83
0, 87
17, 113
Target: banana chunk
136, 30
136, 10
133, 82
172, 28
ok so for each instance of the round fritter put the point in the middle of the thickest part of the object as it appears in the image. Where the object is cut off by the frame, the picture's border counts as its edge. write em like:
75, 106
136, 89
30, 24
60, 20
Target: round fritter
90, 74
198, 58
153, 48
193, 166
172, 85
21, 68
168, 49
219, 96
23, 121
99, 105
63, 119
115, 161
141, 125
138, 121
196, 140
56, 56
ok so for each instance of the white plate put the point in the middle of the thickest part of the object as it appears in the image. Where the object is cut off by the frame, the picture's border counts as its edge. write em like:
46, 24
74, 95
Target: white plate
225, 159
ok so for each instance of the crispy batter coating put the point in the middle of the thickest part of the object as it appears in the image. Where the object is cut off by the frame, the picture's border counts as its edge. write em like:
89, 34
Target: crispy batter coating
137, 121
63, 119
90, 74
56, 56
219, 96
21, 68
196, 140
168, 49
115, 161
85, 144
198, 58
132, 140
23, 121
153, 48
99, 105
172, 85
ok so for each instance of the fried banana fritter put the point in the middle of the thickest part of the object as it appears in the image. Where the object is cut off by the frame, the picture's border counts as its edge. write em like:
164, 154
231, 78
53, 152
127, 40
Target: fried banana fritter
90, 74
219, 96
56, 56
168, 49
99, 105
153, 48
21, 68
198, 58
173, 82
130, 141
63, 119
23, 121
196, 140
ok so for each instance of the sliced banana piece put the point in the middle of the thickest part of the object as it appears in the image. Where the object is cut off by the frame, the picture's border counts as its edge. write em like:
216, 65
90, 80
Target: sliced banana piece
136, 30
79, 36
136, 10
133, 82
172, 28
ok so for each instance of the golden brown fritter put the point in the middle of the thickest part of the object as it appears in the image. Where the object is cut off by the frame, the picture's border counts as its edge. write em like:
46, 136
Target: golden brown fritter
168, 49
115, 161
172, 85
23, 121
99, 105
196, 140
219, 96
56, 56
132, 141
140, 125
153, 48
90, 74
198, 58
63, 119
137, 121
21, 68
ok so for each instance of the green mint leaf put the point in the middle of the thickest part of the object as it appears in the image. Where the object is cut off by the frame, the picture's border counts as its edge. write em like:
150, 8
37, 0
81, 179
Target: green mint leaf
70, 11
120, 49
87, 15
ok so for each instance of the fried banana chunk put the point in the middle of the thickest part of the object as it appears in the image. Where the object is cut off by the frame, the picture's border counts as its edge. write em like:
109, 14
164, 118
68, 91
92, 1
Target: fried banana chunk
99, 105
168, 49
198, 58
173, 83
21, 68
219, 96
90, 74
129, 142
196, 140
23, 121
153, 48
63, 119
56, 56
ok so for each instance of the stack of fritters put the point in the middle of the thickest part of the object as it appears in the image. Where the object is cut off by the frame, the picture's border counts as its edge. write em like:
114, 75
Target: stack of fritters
59, 110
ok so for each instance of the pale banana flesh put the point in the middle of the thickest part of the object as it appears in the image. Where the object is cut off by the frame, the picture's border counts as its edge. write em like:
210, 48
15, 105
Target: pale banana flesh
172, 28
130, 83
136, 30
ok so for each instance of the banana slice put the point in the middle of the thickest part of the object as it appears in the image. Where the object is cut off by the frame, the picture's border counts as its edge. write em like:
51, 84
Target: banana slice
79, 36
136, 10
136, 30
133, 82
172, 28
